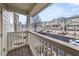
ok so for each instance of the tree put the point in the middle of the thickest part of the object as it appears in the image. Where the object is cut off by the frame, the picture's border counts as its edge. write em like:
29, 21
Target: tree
36, 22
63, 20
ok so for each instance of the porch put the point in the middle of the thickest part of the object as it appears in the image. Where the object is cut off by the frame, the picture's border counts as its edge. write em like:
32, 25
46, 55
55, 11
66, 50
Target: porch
30, 43
34, 44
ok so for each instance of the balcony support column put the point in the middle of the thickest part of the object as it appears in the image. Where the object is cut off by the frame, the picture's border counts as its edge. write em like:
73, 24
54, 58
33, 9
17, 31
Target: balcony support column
28, 23
28, 29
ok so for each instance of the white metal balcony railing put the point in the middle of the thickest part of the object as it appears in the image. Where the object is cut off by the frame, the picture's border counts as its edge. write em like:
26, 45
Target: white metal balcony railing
41, 45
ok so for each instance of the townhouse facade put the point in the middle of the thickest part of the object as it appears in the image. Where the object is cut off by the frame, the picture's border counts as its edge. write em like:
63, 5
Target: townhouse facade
72, 25
50, 26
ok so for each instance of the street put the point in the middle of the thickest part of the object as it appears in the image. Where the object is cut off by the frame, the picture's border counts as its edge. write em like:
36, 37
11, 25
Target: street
56, 36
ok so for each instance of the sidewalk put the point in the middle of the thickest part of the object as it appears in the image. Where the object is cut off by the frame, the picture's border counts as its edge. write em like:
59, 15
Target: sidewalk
70, 35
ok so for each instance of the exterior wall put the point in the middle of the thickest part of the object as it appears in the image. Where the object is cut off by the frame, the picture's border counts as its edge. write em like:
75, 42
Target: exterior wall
73, 19
7, 27
0, 31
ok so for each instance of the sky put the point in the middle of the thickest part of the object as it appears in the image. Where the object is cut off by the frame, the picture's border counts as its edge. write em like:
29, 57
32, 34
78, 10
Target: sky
56, 10
22, 18
59, 10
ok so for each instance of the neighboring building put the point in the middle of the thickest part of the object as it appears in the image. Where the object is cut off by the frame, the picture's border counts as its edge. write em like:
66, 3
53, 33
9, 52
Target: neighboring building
55, 26
72, 25
51, 26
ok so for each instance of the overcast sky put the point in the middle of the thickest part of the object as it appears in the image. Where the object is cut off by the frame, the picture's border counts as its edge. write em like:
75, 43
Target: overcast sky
59, 10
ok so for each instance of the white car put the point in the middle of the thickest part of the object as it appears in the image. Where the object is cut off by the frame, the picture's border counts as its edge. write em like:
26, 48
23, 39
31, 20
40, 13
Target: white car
74, 42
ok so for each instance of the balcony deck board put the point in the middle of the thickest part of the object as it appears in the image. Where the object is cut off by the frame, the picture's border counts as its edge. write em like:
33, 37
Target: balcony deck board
23, 51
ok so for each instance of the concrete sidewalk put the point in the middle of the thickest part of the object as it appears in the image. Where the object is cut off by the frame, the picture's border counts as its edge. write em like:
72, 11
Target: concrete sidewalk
70, 35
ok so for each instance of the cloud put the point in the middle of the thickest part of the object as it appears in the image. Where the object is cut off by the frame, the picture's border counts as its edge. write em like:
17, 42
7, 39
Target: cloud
75, 9
59, 10
22, 18
76, 4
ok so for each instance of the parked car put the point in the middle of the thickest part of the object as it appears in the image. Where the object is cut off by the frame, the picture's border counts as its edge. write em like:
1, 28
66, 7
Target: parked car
63, 33
74, 42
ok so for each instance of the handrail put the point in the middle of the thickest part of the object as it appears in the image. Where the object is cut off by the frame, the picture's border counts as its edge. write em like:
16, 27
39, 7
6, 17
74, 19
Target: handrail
42, 45
66, 47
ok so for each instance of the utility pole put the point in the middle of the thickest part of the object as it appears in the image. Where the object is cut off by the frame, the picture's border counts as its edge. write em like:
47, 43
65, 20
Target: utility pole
74, 30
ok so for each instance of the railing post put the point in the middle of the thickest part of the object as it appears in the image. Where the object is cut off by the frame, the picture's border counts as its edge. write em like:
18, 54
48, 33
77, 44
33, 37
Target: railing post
8, 41
43, 48
28, 38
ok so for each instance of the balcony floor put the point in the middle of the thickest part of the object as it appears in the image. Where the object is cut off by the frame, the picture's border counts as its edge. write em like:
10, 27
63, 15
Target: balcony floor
22, 51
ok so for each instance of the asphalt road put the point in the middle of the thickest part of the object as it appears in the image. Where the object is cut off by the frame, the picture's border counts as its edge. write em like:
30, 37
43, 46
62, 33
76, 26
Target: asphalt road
63, 38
